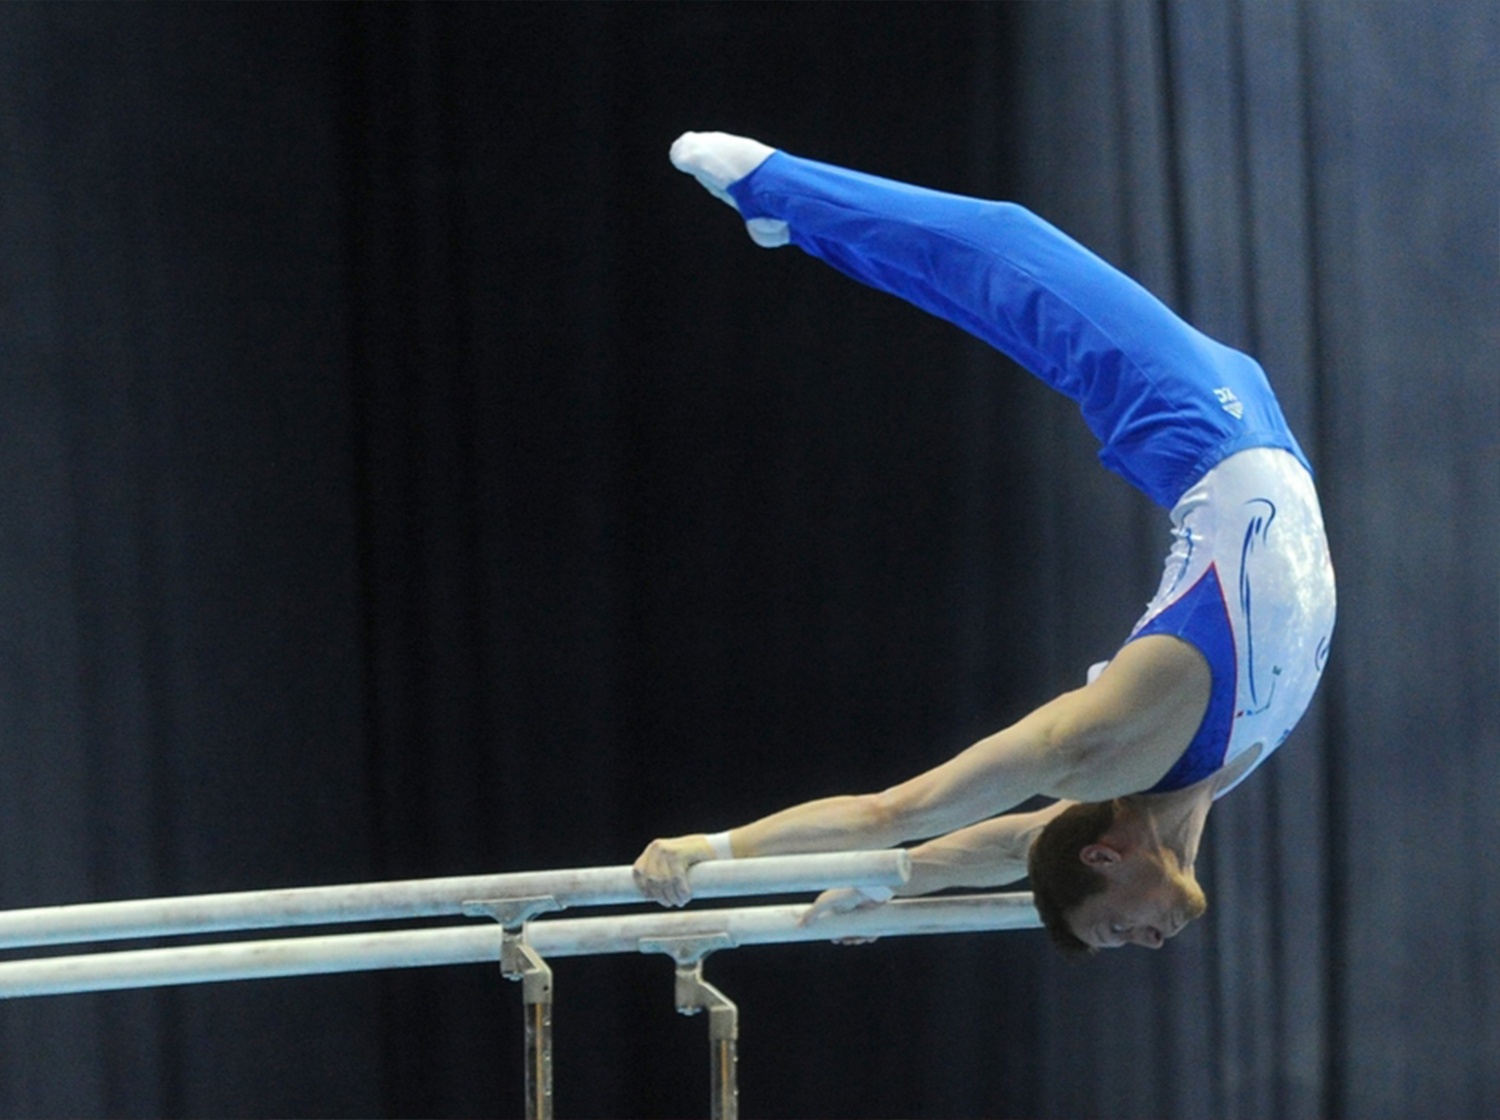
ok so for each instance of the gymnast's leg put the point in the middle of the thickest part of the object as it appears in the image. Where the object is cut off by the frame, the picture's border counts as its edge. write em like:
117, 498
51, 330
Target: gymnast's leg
993, 268
1152, 388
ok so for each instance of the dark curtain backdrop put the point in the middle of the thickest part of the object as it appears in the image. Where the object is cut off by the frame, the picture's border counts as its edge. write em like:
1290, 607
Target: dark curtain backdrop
406, 473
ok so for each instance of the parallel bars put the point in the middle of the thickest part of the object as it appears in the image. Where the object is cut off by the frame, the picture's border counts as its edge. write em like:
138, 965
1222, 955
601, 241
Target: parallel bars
521, 945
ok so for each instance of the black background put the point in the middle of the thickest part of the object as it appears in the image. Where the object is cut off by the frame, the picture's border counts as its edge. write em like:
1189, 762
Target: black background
407, 473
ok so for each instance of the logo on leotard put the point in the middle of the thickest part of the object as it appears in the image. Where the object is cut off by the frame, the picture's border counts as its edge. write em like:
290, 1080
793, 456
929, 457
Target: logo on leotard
1230, 403
1256, 530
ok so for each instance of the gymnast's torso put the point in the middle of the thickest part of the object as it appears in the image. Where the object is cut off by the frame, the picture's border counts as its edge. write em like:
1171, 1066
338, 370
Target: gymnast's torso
1249, 583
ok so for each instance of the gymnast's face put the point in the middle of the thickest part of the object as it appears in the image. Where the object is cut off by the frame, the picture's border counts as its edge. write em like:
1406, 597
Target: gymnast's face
1149, 900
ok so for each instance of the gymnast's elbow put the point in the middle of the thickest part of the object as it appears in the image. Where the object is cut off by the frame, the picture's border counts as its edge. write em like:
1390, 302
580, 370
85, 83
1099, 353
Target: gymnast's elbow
921, 809
890, 817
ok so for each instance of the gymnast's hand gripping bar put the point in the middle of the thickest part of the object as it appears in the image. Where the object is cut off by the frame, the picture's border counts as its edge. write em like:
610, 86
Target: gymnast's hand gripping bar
428, 898
550, 938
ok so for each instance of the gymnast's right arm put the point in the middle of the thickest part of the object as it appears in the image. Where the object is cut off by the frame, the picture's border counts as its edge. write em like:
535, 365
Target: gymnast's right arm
1114, 737
991, 776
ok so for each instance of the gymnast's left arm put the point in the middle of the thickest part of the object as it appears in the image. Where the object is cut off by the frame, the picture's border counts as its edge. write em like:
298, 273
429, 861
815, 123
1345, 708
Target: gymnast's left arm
991, 853
988, 854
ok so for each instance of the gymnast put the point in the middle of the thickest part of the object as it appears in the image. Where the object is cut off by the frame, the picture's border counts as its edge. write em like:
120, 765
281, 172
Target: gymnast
1209, 682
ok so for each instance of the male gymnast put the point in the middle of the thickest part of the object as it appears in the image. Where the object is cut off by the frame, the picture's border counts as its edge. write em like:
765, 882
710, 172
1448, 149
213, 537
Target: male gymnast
1209, 682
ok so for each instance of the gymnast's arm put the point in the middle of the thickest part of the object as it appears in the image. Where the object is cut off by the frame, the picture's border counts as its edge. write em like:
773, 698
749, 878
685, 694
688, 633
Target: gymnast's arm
1114, 737
992, 853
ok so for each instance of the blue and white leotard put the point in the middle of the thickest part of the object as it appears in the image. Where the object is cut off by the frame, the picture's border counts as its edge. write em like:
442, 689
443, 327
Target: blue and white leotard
1190, 422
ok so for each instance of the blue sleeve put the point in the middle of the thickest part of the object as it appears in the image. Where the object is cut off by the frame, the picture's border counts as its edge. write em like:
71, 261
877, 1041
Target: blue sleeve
1165, 402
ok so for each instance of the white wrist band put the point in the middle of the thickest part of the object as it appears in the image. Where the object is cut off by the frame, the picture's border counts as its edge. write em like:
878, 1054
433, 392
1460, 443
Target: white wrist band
719, 842
877, 894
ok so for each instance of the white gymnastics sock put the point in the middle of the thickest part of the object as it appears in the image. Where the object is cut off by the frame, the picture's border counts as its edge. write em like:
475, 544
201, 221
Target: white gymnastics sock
716, 160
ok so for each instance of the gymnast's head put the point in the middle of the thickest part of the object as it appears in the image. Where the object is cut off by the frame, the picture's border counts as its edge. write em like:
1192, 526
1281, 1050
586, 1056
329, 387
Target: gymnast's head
1102, 879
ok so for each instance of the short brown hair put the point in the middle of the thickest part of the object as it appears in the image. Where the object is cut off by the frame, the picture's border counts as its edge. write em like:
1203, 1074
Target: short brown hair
1060, 880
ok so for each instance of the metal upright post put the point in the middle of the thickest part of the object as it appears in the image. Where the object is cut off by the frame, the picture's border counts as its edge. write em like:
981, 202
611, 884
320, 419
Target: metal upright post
519, 961
694, 994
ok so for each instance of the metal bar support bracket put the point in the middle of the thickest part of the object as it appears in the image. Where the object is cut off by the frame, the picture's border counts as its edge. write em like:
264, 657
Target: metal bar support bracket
695, 994
519, 961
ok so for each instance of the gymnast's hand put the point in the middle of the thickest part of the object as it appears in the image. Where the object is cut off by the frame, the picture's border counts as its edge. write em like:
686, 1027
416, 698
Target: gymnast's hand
840, 900
661, 872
